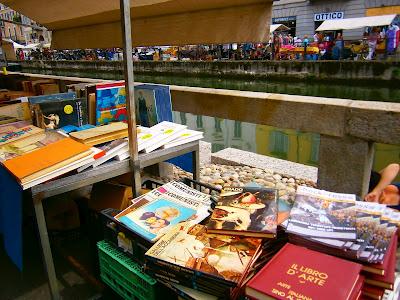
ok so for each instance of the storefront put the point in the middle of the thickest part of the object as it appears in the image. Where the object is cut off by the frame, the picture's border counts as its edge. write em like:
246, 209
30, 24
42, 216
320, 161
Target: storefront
304, 16
287, 21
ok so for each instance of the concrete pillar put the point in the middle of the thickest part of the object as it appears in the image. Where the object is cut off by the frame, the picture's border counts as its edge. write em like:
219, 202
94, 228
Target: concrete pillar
345, 164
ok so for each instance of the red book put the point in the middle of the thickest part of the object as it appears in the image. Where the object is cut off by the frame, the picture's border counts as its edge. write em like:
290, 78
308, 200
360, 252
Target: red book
373, 292
386, 281
356, 292
296, 272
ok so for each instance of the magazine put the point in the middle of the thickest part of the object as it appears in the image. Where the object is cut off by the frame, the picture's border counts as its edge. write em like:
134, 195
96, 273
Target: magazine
245, 211
322, 214
156, 217
216, 256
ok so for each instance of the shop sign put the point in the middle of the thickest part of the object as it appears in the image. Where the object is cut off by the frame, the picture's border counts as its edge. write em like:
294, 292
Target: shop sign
329, 16
283, 19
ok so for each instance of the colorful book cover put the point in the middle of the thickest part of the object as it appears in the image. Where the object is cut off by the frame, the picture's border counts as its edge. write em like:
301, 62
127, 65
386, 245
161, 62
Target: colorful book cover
155, 218
10, 134
28, 144
219, 256
245, 211
54, 115
110, 103
298, 273
322, 214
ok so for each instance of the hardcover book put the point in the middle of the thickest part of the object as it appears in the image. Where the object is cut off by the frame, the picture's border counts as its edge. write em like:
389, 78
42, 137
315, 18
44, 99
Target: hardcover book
52, 97
245, 211
298, 273
189, 249
322, 214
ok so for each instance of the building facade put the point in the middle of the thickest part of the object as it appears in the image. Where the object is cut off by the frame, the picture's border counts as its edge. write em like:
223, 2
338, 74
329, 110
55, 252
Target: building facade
19, 33
304, 16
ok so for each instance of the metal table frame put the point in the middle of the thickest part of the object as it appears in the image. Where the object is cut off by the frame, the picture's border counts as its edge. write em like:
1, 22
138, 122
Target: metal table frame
103, 172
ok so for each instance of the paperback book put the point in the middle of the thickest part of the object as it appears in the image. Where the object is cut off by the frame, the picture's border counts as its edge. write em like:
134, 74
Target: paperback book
167, 131
245, 211
322, 214
110, 103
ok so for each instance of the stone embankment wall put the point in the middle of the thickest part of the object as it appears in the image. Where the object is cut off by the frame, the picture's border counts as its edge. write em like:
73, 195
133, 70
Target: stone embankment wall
361, 72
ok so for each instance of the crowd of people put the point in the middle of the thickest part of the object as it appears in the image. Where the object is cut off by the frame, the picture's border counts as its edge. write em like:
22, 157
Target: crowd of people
281, 46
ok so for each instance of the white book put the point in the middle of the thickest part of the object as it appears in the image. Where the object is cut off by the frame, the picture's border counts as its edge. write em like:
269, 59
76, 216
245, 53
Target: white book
185, 137
108, 152
122, 156
169, 131
65, 169
146, 137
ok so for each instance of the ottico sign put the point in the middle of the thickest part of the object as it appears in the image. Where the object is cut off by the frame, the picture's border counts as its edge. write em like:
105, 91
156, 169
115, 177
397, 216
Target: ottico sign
329, 16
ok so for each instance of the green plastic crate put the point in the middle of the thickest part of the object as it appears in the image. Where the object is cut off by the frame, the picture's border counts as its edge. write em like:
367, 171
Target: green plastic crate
123, 275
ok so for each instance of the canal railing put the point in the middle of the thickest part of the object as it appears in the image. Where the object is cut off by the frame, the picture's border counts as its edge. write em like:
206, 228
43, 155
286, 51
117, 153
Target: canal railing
348, 128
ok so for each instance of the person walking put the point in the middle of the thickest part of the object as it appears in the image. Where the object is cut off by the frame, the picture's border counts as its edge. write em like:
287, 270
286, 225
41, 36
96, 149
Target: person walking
373, 38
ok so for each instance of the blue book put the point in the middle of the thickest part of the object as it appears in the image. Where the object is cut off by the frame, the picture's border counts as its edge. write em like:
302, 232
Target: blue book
153, 104
154, 219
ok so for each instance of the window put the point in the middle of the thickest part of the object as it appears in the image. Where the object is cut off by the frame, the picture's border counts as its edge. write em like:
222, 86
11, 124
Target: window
15, 32
9, 32
217, 125
279, 144
314, 155
22, 33
199, 122
183, 118
237, 129
217, 147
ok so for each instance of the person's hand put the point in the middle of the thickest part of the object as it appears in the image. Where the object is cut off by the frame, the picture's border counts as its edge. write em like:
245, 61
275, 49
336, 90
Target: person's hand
373, 196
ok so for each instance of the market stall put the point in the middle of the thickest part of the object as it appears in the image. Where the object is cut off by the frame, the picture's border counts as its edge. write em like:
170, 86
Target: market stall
98, 24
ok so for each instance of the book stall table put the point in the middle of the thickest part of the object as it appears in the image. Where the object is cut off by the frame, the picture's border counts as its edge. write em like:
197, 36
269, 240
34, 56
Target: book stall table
102, 172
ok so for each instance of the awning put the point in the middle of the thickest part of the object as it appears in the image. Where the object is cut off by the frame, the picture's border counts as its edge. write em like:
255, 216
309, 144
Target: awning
14, 44
354, 23
278, 27
96, 24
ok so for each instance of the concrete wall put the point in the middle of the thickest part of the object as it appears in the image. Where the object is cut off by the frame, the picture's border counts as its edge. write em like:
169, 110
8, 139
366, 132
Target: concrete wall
375, 72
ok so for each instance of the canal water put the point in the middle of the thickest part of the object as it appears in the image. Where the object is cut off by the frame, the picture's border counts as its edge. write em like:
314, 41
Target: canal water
286, 144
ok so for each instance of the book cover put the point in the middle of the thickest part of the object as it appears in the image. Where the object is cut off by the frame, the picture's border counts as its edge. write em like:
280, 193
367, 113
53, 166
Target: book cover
110, 103
29, 144
322, 214
146, 137
153, 104
155, 218
49, 155
16, 132
298, 273
245, 211
21, 111
57, 114
225, 258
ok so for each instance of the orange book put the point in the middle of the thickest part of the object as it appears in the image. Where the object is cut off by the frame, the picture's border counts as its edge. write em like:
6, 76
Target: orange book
45, 157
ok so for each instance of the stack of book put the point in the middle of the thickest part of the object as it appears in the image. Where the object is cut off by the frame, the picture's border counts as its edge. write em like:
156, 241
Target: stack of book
218, 257
339, 225
111, 139
34, 156
156, 212
299, 273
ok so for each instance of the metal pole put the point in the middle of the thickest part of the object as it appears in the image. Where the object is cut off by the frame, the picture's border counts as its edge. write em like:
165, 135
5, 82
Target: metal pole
129, 90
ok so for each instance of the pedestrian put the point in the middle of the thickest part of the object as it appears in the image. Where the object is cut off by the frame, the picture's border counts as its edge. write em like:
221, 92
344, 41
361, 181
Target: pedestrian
373, 38
339, 43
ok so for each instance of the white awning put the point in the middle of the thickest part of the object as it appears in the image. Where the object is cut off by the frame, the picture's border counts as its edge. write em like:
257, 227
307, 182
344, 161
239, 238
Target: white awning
278, 27
354, 23
96, 23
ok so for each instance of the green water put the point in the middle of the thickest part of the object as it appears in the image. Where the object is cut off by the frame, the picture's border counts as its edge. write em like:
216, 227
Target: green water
281, 143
